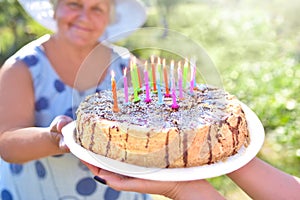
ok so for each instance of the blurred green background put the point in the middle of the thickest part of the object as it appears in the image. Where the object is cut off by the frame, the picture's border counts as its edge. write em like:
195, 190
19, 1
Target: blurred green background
254, 44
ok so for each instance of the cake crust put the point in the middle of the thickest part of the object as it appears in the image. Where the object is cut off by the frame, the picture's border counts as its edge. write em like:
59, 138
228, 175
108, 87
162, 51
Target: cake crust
208, 127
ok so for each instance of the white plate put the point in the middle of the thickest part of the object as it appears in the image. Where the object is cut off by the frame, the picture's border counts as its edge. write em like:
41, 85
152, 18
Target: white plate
233, 163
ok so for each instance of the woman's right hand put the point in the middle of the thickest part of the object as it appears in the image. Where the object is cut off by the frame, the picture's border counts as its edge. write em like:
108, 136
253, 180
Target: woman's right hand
56, 132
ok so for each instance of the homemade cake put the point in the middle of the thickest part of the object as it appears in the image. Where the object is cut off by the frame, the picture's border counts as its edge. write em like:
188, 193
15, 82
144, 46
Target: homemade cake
209, 126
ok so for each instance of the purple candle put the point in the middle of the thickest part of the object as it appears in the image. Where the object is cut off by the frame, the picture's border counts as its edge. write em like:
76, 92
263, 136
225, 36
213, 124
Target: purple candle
146, 79
180, 80
174, 102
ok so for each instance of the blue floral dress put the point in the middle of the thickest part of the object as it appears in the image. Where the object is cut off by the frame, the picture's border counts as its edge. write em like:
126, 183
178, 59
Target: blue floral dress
61, 177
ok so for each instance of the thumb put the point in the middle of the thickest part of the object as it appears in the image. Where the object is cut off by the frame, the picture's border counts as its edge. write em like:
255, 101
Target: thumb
59, 122
64, 121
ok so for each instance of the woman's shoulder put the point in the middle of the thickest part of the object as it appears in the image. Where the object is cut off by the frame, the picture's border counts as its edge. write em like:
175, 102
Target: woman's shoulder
26, 59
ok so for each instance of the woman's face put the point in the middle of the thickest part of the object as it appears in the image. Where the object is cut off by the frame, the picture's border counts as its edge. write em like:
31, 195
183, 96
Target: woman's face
82, 22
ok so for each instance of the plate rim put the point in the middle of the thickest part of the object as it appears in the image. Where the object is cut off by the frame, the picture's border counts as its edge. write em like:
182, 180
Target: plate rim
244, 155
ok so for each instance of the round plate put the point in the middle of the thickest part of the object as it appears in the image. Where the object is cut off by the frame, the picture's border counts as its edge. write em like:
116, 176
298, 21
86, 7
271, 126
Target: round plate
233, 163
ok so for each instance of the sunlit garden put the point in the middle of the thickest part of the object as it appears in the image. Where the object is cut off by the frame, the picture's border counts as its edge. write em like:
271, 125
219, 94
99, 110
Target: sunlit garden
254, 45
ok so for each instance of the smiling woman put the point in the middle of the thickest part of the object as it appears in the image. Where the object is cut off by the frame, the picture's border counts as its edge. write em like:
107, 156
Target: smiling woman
82, 22
31, 143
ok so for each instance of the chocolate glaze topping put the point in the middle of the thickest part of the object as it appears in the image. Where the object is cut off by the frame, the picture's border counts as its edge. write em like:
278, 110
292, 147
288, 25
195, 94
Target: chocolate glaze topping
209, 105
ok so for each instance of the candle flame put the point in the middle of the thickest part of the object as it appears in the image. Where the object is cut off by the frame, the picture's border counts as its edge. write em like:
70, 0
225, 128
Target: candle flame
152, 59
125, 71
158, 61
186, 63
134, 60
131, 65
164, 62
179, 67
146, 66
112, 75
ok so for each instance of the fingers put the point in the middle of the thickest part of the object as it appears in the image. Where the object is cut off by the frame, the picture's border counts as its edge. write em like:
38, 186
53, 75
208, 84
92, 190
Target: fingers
64, 121
55, 132
95, 170
114, 180
59, 122
125, 183
62, 145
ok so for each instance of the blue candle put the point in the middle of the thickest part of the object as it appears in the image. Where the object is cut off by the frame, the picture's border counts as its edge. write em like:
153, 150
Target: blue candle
159, 93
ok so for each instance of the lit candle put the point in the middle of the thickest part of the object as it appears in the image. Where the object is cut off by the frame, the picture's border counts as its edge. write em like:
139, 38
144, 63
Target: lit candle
158, 72
172, 70
180, 81
125, 86
146, 79
134, 83
185, 72
136, 75
139, 77
160, 98
166, 79
174, 106
114, 91
153, 74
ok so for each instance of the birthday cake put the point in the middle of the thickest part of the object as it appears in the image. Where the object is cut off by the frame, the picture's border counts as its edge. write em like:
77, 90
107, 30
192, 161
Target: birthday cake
204, 127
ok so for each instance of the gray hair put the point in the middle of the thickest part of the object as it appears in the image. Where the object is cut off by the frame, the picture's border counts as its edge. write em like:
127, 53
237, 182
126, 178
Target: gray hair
112, 15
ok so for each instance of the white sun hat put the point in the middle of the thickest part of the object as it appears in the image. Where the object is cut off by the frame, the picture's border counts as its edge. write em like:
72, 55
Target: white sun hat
129, 16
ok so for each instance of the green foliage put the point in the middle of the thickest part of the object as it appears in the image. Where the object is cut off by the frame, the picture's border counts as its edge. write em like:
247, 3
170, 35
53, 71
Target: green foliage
254, 46
16, 28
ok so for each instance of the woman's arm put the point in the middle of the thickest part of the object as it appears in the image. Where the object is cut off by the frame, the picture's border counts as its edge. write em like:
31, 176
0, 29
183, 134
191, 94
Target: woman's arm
262, 181
19, 140
197, 189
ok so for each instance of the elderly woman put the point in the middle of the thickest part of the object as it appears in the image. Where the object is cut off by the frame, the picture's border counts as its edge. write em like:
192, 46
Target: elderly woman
41, 87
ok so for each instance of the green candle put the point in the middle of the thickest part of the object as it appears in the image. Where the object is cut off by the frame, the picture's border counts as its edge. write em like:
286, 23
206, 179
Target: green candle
136, 75
134, 81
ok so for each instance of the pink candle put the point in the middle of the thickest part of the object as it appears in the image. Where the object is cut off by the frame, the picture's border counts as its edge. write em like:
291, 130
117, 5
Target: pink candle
174, 106
146, 79
180, 81
192, 87
125, 86
193, 62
